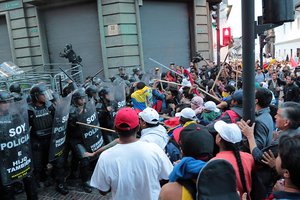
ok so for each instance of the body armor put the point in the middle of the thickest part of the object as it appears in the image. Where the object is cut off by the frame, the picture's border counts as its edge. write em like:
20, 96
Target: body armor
42, 120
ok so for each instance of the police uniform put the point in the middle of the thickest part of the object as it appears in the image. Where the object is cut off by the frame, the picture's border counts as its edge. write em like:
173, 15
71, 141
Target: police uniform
75, 141
7, 121
106, 117
41, 121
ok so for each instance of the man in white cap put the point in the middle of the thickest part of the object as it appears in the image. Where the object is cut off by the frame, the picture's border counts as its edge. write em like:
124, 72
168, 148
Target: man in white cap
152, 131
187, 116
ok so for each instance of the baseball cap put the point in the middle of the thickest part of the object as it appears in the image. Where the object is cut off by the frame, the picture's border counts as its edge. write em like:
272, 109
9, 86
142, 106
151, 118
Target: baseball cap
126, 116
238, 96
211, 106
229, 132
198, 101
196, 140
187, 113
217, 173
149, 115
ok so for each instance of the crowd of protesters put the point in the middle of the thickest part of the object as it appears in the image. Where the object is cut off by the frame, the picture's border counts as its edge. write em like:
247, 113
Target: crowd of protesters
173, 131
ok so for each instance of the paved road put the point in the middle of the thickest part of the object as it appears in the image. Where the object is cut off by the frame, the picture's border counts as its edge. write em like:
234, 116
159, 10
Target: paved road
76, 193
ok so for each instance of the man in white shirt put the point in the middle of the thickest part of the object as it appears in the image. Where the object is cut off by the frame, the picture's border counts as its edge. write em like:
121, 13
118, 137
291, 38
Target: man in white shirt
132, 169
152, 131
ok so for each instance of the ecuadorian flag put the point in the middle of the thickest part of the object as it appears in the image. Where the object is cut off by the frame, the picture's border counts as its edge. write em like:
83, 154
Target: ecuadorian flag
142, 98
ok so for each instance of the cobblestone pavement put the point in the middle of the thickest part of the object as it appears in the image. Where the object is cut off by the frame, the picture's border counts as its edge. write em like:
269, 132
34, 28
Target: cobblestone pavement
76, 193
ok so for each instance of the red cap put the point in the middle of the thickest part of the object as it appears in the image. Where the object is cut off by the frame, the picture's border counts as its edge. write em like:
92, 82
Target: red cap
126, 116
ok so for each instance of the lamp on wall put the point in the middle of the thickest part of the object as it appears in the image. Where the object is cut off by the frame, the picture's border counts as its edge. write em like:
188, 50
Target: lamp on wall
140, 2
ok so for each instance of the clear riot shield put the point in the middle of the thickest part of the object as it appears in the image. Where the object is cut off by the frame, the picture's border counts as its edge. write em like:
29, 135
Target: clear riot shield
119, 95
60, 122
92, 137
15, 150
147, 78
150, 76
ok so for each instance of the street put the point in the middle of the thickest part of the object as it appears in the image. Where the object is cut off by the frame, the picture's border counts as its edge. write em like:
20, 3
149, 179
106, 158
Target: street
76, 193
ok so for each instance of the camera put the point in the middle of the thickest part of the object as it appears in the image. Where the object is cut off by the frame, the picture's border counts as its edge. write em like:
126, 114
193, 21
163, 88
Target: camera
197, 58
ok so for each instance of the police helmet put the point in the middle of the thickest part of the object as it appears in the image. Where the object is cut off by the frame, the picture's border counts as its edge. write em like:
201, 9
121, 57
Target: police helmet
15, 87
16, 96
112, 79
5, 96
79, 94
103, 92
37, 90
97, 81
90, 90
135, 70
132, 79
68, 46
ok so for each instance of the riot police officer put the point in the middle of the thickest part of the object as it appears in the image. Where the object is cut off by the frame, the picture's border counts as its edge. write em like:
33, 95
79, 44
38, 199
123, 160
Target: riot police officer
91, 92
122, 73
8, 120
15, 87
16, 91
136, 76
70, 55
41, 114
74, 136
97, 81
106, 110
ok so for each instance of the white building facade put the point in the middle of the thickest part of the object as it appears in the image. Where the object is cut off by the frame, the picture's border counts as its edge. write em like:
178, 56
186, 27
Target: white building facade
287, 42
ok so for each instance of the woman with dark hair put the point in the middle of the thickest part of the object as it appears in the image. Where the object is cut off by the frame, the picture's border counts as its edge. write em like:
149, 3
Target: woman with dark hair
228, 138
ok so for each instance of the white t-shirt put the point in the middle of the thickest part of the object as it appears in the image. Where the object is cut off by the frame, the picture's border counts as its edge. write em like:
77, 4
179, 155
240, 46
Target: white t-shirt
157, 135
132, 171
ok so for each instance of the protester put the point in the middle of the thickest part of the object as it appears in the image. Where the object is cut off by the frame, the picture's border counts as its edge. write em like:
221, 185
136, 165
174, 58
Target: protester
210, 113
152, 131
287, 121
132, 168
142, 97
197, 105
187, 116
259, 76
236, 110
288, 165
159, 97
228, 138
264, 125
197, 148
290, 90
276, 85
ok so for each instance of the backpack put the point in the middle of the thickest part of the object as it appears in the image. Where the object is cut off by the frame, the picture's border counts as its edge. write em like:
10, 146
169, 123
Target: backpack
234, 117
172, 150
